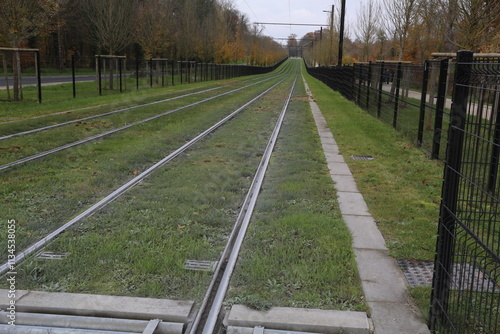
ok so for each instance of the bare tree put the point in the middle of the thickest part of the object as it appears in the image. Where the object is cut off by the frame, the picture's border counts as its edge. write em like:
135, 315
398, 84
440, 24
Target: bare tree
56, 12
110, 22
111, 25
476, 24
402, 15
368, 26
19, 20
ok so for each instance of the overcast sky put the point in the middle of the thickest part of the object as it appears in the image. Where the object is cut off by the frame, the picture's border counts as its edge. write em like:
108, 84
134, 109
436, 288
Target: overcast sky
294, 11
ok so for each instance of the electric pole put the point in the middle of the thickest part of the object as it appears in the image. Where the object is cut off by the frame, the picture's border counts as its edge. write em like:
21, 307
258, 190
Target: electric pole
341, 39
330, 57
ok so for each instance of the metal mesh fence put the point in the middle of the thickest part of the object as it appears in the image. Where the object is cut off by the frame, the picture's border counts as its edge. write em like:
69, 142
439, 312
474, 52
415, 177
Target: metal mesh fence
102, 75
416, 100
466, 291
411, 98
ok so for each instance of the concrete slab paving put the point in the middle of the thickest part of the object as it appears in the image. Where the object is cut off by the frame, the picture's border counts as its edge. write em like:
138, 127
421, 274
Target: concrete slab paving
382, 281
394, 319
334, 157
99, 305
345, 183
365, 232
352, 204
303, 320
385, 289
339, 168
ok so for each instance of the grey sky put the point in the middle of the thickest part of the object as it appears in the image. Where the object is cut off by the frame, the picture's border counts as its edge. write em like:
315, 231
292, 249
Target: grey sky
294, 11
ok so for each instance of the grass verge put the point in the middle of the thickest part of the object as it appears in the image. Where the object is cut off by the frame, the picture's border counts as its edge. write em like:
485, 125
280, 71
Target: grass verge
401, 185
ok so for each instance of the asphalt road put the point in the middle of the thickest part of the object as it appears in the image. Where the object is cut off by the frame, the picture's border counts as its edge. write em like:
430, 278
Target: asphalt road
50, 80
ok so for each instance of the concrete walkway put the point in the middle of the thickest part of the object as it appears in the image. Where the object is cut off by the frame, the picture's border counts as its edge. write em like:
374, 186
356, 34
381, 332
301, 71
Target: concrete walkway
383, 282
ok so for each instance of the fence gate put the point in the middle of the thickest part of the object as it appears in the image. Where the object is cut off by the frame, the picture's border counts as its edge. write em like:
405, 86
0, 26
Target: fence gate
466, 291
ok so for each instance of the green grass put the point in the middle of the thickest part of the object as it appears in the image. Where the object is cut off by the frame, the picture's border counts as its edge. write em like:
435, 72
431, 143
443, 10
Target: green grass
138, 244
401, 186
45, 193
18, 147
297, 252
59, 98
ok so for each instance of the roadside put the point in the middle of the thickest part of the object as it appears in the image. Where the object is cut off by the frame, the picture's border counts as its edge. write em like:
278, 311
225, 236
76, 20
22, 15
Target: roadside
383, 283
400, 184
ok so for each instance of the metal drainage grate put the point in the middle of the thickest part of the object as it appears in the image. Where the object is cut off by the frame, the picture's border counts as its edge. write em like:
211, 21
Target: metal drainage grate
200, 265
465, 276
417, 273
46, 255
362, 157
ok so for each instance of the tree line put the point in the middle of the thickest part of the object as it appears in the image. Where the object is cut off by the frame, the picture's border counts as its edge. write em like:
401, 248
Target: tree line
408, 30
202, 30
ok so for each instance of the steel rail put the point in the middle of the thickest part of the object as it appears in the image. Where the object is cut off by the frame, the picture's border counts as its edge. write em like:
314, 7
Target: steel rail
6, 267
231, 252
49, 127
85, 108
23, 133
83, 141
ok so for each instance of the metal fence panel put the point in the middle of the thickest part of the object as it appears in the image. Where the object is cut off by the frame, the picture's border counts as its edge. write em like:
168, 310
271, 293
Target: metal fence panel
466, 288
466, 292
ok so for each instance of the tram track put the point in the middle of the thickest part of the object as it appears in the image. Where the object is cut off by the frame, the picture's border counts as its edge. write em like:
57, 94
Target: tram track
208, 314
125, 127
112, 112
197, 207
121, 190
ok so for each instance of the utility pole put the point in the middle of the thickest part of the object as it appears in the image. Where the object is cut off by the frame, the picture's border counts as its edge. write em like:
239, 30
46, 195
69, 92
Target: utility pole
341, 39
332, 12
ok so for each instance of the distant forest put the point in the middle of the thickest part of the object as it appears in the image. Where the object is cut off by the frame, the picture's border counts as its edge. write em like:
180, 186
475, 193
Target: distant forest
202, 30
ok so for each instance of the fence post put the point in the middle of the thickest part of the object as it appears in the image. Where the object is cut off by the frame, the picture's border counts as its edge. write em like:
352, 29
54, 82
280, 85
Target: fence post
137, 73
380, 89
150, 72
495, 154
443, 265
368, 84
163, 73
120, 66
438, 125
38, 76
423, 99
73, 74
358, 98
173, 73
99, 70
399, 75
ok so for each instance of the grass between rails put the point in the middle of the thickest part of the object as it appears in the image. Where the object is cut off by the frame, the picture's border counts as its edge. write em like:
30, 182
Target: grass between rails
138, 244
402, 187
63, 99
44, 193
18, 147
298, 251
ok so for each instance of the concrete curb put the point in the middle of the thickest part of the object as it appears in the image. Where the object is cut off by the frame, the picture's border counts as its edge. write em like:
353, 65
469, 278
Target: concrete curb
383, 282
300, 320
98, 305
